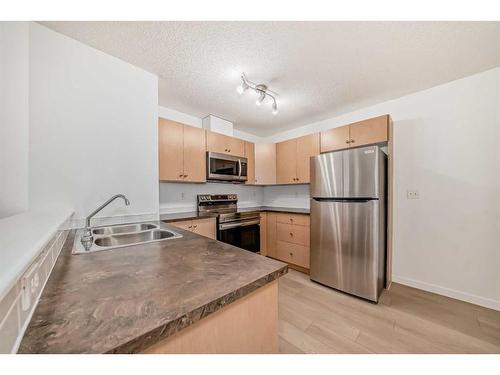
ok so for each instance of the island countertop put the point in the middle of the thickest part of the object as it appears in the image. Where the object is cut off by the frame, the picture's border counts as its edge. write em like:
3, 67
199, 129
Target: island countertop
126, 299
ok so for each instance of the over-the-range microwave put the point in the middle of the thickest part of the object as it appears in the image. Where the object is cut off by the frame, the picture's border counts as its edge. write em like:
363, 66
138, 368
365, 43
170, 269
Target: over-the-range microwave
222, 167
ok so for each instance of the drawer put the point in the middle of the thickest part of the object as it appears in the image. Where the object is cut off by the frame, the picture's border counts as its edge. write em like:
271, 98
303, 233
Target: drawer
296, 234
292, 253
296, 219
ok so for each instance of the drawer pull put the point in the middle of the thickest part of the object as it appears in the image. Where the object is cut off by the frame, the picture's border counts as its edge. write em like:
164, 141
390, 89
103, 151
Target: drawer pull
291, 254
291, 234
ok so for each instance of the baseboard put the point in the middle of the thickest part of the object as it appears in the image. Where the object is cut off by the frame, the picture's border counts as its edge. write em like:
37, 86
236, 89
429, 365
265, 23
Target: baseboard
462, 296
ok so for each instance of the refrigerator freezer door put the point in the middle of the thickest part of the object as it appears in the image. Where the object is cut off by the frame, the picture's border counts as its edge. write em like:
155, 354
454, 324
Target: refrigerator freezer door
327, 175
361, 172
346, 251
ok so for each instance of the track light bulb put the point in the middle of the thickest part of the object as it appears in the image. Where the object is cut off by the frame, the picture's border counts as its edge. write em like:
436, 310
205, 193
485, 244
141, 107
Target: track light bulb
242, 87
275, 108
261, 98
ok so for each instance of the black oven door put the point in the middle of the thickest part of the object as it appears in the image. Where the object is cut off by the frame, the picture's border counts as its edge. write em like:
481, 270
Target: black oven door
245, 235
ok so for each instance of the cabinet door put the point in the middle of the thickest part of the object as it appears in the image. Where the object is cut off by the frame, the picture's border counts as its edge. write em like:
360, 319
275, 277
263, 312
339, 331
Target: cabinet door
307, 146
205, 227
250, 155
263, 233
194, 154
170, 150
271, 234
218, 142
265, 163
374, 130
236, 146
286, 162
335, 139
185, 224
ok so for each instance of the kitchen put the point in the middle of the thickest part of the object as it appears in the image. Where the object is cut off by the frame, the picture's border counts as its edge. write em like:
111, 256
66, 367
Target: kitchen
156, 224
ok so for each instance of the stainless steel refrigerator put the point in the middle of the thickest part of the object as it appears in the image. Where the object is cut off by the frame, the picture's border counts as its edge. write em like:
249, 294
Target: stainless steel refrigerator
348, 220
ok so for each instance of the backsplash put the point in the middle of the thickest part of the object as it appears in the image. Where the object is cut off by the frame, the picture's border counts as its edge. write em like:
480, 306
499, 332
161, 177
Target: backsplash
181, 197
286, 196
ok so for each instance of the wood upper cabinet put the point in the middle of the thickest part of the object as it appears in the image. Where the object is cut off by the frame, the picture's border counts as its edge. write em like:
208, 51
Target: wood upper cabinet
370, 131
224, 144
335, 139
195, 169
374, 130
265, 163
250, 155
292, 159
307, 146
181, 152
286, 162
170, 149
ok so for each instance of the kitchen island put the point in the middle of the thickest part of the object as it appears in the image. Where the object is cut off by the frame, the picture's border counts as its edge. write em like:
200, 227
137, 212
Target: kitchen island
186, 295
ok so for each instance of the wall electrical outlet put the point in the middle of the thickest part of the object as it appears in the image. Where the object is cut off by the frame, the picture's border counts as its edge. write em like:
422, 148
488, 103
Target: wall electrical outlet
412, 194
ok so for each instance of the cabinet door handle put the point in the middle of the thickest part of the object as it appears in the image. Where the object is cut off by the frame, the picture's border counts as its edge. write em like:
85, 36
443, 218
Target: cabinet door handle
229, 150
190, 226
185, 175
352, 141
180, 175
195, 226
291, 254
291, 234
347, 141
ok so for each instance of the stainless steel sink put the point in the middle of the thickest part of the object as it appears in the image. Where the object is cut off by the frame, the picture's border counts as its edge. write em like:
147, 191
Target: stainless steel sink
133, 238
115, 236
124, 228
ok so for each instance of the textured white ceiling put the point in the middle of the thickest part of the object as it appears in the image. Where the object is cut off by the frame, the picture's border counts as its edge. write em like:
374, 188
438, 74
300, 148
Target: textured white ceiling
320, 69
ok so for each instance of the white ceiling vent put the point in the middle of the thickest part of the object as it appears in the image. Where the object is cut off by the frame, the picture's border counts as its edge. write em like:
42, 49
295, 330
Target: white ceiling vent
218, 125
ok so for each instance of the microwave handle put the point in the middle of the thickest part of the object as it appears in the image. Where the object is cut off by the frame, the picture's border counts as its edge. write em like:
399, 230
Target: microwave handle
239, 168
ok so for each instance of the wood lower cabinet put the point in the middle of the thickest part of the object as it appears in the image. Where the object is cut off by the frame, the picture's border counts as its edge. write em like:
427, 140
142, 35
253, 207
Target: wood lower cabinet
204, 227
263, 233
250, 155
224, 144
265, 163
293, 253
271, 234
292, 159
288, 238
181, 152
247, 325
361, 133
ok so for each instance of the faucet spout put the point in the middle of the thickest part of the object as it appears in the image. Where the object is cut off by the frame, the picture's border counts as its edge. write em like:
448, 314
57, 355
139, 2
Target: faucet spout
98, 209
87, 239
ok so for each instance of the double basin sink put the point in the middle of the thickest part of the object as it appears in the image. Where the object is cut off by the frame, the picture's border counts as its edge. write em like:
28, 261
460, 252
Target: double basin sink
114, 236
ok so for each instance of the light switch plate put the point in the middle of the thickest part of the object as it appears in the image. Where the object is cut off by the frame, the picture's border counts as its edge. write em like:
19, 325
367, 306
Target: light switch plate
412, 194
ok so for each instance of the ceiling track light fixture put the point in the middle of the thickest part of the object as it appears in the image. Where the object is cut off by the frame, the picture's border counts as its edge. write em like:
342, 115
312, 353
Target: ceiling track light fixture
261, 89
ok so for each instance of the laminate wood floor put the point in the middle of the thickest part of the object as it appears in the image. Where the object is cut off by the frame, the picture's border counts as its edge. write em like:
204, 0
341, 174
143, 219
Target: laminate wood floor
317, 319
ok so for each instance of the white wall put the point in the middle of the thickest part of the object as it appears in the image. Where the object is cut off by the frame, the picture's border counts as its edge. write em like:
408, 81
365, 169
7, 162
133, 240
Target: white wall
14, 117
93, 128
446, 145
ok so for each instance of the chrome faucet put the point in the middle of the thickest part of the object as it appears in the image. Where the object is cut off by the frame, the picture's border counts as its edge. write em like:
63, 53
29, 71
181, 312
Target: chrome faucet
87, 239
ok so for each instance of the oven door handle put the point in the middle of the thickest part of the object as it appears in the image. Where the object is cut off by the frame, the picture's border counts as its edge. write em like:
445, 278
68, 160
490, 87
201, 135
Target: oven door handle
239, 224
